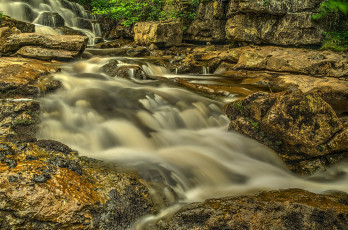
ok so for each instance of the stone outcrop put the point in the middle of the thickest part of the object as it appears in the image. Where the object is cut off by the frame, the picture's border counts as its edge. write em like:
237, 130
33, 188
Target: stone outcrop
276, 22
159, 33
22, 77
209, 24
283, 209
302, 128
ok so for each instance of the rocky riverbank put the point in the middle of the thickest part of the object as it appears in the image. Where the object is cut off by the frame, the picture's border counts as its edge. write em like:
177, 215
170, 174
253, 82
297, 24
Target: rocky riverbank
46, 185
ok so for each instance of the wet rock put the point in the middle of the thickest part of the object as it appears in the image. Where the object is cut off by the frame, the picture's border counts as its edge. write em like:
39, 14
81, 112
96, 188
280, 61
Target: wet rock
64, 30
51, 145
21, 77
47, 193
119, 43
138, 52
51, 19
301, 127
283, 209
209, 24
274, 22
160, 33
24, 27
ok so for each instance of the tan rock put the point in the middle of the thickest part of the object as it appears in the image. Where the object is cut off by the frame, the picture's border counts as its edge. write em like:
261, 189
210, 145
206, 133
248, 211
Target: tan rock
46, 54
300, 127
160, 33
65, 42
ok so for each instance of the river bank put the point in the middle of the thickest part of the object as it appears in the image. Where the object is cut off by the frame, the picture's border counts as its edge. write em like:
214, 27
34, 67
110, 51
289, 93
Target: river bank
158, 144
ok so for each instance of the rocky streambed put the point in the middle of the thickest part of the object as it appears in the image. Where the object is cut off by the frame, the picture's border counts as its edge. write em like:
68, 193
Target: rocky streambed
44, 184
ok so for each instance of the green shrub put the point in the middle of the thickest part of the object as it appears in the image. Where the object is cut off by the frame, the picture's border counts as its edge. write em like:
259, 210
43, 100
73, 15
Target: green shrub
332, 6
132, 11
336, 41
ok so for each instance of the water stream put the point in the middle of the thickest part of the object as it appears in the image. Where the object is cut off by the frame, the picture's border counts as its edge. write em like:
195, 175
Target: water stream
165, 132
47, 14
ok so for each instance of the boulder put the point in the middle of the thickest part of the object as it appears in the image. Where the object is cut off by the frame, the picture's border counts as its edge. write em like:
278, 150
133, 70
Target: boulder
209, 24
65, 42
24, 27
160, 33
277, 22
283, 209
301, 127
51, 19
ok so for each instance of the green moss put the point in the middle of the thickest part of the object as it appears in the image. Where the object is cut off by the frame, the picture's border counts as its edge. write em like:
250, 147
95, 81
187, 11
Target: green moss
335, 41
24, 122
254, 124
321, 148
239, 107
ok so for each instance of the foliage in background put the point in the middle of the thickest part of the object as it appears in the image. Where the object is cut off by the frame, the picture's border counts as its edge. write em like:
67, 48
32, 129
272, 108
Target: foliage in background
332, 6
1, 15
335, 40
132, 11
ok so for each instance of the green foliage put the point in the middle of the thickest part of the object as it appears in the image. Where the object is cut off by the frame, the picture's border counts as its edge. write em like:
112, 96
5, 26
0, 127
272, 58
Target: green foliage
336, 41
1, 15
132, 11
332, 6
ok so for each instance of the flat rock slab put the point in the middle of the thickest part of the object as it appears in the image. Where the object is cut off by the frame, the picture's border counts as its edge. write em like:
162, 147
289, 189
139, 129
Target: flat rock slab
22, 77
47, 54
65, 42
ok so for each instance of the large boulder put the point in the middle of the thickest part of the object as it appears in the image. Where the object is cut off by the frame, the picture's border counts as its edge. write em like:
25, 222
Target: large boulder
276, 22
209, 24
301, 127
158, 33
283, 209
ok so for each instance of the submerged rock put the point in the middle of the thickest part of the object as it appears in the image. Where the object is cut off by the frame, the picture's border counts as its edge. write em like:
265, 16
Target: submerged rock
283, 209
301, 127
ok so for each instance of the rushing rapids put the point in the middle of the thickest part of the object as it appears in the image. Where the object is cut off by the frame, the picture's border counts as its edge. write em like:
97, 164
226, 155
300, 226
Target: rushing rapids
47, 14
166, 133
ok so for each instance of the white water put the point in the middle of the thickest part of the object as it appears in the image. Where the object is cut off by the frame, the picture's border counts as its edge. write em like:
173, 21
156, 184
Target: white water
157, 127
74, 15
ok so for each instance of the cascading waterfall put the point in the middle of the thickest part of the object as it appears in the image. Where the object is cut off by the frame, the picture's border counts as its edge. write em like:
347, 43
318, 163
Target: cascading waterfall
53, 13
156, 127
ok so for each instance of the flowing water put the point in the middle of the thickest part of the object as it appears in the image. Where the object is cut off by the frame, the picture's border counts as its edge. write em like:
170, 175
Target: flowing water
53, 13
165, 132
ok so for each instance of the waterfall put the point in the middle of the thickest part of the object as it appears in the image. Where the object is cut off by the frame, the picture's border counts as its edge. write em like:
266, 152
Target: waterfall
53, 13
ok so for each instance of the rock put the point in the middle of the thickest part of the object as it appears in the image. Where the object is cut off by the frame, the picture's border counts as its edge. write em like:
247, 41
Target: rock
283, 209
119, 43
209, 24
120, 31
62, 42
19, 120
47, 54
22, 77
64, 30
138, 52
24, 27
51, 19
281, 23
47, 192
115, 69
301, 61
160, 33
301, 127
